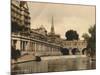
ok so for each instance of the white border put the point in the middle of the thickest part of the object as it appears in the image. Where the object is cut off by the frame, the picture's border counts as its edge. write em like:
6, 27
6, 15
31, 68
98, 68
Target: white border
5, 36
86, 2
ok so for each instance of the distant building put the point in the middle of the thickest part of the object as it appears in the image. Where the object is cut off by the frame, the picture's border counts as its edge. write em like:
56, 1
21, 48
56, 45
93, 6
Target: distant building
41, 30
78, 44
52, 37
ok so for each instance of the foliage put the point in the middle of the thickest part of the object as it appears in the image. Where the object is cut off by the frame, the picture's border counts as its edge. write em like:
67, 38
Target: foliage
85, 36
91, 40
71, 35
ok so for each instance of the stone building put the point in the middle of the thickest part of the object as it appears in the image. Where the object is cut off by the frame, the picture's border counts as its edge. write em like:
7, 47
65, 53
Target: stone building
52, 36
75, 44
37, 42
25, 39
20, 16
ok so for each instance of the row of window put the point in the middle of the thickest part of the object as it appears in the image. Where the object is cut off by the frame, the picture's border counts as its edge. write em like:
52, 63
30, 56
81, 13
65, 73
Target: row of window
20, 22
19, 10
20, 16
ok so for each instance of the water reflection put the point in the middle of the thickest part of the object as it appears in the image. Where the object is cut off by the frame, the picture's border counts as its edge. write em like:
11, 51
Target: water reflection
54, 65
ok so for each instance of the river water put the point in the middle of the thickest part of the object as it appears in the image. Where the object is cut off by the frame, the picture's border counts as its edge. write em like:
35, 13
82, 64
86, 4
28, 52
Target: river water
50, 64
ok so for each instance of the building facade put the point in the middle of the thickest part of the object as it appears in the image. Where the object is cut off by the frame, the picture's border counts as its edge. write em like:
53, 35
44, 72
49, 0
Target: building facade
29, 41
36, 41
20, 16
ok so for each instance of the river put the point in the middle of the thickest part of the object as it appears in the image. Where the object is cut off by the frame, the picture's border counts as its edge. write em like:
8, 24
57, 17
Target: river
54, 64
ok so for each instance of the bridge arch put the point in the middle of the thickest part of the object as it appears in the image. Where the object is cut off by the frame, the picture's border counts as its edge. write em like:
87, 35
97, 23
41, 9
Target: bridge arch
64, 51
84, 50
75, 51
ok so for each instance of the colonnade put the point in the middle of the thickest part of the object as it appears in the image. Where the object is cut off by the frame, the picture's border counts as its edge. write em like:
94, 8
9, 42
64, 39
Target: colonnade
37, 48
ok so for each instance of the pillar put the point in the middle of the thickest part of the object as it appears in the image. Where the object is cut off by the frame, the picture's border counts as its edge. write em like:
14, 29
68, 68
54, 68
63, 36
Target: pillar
81, 51
26, 47
18, 45
52, 51
70, 51
35, 47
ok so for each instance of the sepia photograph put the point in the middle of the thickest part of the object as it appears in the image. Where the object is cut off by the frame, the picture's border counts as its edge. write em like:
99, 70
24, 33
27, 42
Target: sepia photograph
52, 37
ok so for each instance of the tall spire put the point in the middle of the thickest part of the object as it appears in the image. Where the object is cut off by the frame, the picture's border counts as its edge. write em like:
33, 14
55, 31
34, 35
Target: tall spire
52, 26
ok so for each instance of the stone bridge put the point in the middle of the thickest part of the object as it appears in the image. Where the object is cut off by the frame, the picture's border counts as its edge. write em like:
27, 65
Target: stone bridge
77, 46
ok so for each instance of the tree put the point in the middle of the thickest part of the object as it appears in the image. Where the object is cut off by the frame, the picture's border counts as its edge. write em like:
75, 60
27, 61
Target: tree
71, 35
91, 40
85, 36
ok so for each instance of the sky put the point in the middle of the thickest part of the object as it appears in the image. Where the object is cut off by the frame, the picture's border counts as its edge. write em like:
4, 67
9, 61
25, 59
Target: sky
66, 17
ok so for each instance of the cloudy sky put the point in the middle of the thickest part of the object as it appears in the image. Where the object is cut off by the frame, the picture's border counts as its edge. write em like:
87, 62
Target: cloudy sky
76, 17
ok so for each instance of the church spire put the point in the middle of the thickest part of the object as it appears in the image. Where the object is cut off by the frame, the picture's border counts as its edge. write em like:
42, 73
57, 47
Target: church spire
52, 26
